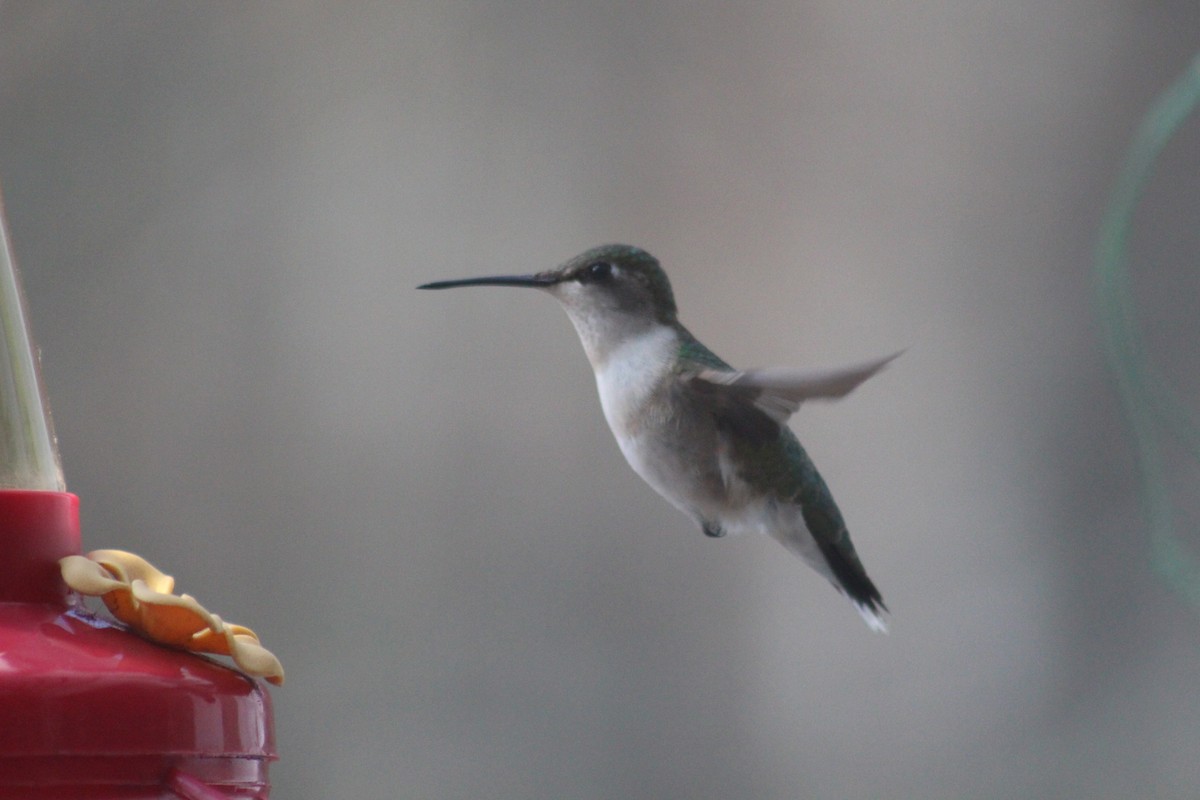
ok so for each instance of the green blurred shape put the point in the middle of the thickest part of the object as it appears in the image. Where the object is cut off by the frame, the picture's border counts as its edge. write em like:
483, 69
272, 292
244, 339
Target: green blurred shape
28, 451
1152, 406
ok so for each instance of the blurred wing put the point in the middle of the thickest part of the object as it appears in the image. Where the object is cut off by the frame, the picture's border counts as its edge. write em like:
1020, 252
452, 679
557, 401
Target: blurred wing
777, 393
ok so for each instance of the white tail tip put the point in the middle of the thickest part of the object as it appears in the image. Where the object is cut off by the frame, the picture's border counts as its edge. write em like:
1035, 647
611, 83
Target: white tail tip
872, 617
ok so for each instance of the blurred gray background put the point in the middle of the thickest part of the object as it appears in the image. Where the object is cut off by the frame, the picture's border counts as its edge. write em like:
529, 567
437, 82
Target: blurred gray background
221, 211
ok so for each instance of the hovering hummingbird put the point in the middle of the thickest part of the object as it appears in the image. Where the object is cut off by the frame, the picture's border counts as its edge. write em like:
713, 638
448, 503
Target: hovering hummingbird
710, 439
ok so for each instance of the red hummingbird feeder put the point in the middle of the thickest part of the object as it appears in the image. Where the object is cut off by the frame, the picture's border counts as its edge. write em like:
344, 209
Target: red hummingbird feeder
90, 710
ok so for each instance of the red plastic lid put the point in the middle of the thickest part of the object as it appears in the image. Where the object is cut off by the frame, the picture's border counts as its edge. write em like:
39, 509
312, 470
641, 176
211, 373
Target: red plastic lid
84, 704
36, 530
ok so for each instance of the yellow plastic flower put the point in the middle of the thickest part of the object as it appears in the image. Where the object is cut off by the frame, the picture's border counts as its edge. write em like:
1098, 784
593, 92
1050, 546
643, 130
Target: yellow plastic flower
140, 596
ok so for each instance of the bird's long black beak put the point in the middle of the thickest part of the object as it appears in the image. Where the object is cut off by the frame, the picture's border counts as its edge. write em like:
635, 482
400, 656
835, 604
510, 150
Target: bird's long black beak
540, 280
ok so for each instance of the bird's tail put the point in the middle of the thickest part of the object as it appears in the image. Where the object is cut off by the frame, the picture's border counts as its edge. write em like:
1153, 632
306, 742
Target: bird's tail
845, 570
870, 612
849, 575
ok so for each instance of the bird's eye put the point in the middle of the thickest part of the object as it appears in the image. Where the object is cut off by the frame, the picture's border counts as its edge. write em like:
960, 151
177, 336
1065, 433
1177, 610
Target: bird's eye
600, 271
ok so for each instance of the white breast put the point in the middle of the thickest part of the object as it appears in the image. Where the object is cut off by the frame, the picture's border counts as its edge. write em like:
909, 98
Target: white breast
626, 380
630, 373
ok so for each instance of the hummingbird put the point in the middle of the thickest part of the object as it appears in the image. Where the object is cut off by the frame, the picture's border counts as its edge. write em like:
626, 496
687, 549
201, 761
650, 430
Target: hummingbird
710, 439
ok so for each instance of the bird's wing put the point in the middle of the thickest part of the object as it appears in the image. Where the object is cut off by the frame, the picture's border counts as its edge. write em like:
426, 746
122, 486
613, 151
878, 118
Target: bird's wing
779, 392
